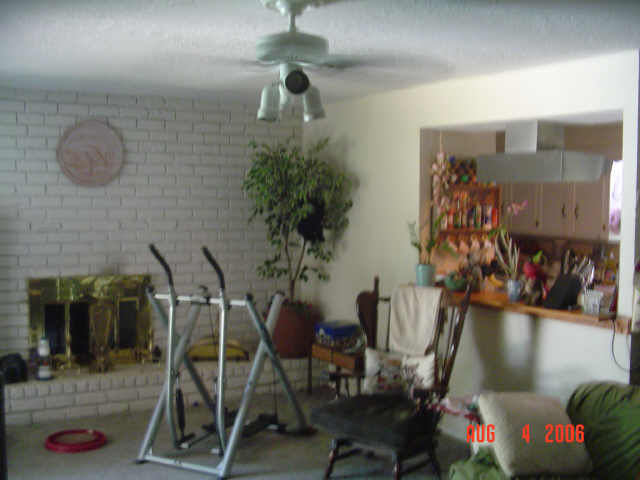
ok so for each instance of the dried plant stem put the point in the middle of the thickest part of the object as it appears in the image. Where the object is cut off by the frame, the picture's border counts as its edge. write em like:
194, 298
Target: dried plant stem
504, 246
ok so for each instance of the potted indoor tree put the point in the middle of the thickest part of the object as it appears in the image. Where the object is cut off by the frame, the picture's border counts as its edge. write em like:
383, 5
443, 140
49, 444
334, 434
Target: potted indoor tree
303, 201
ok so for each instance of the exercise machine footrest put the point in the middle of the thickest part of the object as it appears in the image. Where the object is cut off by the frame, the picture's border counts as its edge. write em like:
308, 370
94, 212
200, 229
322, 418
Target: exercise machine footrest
263, 422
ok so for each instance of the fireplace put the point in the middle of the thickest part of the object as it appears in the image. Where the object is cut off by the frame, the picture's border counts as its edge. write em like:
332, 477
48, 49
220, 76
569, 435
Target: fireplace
93, 321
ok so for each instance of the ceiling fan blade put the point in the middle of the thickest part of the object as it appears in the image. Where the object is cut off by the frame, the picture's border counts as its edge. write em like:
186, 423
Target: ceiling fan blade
340, 63
405, 69
188, 60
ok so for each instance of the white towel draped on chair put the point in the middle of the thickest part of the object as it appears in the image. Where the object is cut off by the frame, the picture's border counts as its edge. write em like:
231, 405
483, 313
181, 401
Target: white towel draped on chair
414, 311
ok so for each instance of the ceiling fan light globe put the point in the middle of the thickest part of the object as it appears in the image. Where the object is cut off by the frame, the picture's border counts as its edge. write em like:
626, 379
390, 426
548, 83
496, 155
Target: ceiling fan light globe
269, 104
312, 105
285, 98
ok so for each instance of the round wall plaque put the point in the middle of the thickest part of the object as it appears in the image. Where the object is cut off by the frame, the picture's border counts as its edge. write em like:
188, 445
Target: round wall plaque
90, 153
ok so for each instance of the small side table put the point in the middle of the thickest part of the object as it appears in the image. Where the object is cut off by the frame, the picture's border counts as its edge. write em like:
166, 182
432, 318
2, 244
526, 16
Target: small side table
353, 363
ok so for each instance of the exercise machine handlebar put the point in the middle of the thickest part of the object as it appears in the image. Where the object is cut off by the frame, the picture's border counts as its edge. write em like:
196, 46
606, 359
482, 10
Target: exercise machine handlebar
162, 262
215, 266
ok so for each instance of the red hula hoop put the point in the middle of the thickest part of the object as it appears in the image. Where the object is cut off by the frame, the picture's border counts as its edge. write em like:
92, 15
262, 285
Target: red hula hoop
52, 443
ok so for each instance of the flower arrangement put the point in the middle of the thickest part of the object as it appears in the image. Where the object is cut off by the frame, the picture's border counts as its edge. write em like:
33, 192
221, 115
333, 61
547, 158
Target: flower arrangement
507, 252
426, 249
442, 177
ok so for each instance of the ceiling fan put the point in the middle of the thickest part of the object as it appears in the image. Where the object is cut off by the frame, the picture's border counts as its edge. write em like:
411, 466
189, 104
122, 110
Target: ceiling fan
291, 51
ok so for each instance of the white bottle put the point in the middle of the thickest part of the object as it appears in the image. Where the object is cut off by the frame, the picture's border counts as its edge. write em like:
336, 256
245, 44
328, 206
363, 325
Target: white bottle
44, 360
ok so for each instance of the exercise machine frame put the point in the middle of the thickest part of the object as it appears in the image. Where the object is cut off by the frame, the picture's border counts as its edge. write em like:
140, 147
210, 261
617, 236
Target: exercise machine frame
176, 356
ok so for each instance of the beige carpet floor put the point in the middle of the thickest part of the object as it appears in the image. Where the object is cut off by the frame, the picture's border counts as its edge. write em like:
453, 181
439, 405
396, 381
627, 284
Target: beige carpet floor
266, 455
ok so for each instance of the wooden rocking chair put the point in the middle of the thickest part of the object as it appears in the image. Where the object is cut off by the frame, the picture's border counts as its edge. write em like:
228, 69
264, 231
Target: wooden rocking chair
402, 424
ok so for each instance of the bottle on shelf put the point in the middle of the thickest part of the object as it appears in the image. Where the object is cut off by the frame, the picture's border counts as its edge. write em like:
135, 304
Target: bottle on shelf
445, 219
488, 213
478, 216
450, 216
464, 213
494, 217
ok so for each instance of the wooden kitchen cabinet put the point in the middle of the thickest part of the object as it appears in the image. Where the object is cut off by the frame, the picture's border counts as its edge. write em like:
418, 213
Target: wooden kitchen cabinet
556, 200
505, 198
589, 217
572, 210
528, 220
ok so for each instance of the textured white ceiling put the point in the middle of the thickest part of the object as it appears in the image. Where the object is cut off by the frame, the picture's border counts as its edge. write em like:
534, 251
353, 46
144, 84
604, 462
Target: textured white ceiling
204, 47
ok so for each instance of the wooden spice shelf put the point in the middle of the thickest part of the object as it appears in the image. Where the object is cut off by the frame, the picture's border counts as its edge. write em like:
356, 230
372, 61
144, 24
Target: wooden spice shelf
473, 187
480, 231
499, 301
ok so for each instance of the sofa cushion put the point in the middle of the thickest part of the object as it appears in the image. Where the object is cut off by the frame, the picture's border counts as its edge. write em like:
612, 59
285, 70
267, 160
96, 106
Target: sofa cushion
418, 371
382, 372
509, 412
377, 419
610, 413
390, 372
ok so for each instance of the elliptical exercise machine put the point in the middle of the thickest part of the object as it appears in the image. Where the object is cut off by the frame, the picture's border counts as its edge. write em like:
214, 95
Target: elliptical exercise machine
176, 356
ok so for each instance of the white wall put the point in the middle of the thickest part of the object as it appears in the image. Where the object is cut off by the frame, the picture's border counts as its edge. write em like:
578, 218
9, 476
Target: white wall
379, 139
180, 187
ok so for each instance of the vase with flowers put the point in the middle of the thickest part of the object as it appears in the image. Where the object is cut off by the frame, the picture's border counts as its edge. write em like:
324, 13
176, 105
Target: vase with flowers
508, 253
425, 269
441, 180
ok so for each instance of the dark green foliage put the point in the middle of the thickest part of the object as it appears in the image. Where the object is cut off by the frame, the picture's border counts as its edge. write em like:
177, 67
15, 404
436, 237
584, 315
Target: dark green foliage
284, 184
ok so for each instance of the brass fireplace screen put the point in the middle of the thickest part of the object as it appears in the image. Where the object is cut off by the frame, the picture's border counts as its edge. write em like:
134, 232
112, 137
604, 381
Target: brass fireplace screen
92, 320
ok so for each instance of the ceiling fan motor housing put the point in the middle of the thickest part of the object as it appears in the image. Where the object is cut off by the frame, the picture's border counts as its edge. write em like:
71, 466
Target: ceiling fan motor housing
293, 47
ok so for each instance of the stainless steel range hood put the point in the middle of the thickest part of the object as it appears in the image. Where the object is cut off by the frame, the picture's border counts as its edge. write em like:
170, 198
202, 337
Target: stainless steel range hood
534, 152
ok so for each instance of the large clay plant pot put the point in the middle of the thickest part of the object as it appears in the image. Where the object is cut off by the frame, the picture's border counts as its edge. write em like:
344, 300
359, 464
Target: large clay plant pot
293, 334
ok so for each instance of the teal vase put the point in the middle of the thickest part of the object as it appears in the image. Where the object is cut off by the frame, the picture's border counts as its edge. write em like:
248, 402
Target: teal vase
425, 275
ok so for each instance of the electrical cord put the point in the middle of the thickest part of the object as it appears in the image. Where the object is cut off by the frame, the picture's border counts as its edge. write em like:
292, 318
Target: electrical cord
632, 368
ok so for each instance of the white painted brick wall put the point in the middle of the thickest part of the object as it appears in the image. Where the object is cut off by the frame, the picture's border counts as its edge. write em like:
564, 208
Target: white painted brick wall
133, 388
185, 160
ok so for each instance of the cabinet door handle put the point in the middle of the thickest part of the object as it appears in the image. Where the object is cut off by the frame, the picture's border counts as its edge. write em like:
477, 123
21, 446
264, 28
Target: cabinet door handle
575, 211
564, 211
537, 223
604, 227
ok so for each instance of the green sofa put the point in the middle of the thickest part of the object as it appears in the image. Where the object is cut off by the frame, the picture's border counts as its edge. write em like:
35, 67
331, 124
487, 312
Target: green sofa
610, 413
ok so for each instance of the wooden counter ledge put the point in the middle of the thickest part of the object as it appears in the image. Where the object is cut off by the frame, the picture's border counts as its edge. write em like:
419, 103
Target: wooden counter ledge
499, 301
